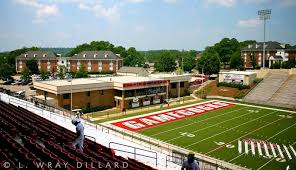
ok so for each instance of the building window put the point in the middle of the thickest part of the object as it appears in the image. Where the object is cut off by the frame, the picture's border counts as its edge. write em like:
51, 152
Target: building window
62, 62
102, 92
182, 84
88, 105
66, 96
174, 85
88, 93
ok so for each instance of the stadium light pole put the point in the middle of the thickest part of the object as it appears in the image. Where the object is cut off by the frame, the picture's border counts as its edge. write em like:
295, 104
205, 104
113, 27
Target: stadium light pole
264, 15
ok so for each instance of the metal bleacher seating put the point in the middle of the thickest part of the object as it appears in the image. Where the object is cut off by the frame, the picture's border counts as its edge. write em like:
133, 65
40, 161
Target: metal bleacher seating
28, 139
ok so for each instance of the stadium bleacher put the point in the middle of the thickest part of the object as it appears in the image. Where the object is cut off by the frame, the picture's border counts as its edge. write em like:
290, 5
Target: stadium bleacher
28, 140
277, 89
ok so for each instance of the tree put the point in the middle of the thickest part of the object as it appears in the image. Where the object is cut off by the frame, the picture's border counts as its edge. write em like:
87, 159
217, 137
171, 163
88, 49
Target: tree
133, 58
179, 71
33, 66
166, 63
81, 72
236, 60
225, 48
44, 74
61, 72
6, 71
25, 75
253, 60
209, 62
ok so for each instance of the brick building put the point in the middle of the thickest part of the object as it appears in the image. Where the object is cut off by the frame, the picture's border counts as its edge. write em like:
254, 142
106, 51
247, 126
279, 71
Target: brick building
46, 60
116, 91
274, 52
93, 61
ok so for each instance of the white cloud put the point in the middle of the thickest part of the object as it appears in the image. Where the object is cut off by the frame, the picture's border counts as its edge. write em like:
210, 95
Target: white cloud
249, 23
41, 10
110, 13
225, 3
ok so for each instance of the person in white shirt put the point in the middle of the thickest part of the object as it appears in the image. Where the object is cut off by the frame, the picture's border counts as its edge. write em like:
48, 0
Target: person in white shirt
78, 142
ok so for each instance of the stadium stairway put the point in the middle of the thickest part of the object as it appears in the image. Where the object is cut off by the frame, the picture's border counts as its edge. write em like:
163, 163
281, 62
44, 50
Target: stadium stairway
28, 139
269, 88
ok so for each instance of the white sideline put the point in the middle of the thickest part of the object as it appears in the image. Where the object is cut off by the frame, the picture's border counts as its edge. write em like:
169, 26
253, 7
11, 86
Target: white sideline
229, 129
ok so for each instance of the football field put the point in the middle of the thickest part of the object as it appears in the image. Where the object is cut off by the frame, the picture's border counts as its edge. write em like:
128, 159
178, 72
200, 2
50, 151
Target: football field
250, 136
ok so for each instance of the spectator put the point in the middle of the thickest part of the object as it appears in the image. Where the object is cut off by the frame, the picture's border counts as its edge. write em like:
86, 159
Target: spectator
78, 142
191, 163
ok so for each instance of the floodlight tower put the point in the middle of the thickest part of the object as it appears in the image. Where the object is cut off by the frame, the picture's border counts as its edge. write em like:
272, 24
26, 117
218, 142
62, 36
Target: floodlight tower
264, 15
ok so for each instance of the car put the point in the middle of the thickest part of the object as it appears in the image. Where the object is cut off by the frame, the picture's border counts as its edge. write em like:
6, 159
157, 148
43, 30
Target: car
19, 94
8, 82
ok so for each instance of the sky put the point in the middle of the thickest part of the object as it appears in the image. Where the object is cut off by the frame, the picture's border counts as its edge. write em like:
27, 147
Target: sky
143, 24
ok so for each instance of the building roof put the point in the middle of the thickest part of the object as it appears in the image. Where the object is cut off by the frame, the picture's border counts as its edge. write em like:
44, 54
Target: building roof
133, 70
270, 45
95, 55
38, 55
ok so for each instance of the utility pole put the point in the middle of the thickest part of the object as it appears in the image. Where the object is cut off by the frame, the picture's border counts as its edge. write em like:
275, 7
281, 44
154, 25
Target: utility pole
264, 15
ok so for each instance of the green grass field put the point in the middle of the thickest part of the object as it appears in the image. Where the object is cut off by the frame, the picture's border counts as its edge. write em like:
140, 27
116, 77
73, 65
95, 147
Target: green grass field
216, 134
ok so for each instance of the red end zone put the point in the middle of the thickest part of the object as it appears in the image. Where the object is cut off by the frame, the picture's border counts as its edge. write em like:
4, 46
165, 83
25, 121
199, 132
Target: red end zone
151, 120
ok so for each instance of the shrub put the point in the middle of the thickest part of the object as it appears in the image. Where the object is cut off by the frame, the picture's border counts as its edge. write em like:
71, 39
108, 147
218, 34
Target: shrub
233, 85
95, 109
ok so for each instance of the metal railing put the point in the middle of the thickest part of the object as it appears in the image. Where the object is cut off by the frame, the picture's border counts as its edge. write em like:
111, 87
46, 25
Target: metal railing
135, 151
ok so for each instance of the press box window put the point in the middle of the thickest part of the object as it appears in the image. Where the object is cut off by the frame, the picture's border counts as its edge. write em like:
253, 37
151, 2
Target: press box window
182, 84
66, 96
174, 85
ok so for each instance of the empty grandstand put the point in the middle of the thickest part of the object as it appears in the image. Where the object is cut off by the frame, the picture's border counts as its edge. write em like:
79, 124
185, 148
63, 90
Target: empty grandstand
28, 140
278, 88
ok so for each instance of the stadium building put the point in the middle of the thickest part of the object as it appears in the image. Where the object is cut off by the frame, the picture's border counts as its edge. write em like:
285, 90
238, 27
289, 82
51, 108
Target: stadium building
275, 52
93, 61
116, 91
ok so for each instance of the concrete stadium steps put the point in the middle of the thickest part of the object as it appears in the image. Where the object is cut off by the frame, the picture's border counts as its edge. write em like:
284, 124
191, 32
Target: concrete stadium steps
286, 95
266, 89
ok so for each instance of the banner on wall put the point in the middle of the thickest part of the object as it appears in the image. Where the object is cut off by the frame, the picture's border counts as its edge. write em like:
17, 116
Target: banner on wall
233, 77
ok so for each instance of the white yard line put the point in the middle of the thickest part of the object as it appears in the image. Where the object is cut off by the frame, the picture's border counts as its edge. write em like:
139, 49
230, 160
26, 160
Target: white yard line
229, 129
266, 139
262, 107
196, 121
270, 160
209, 126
